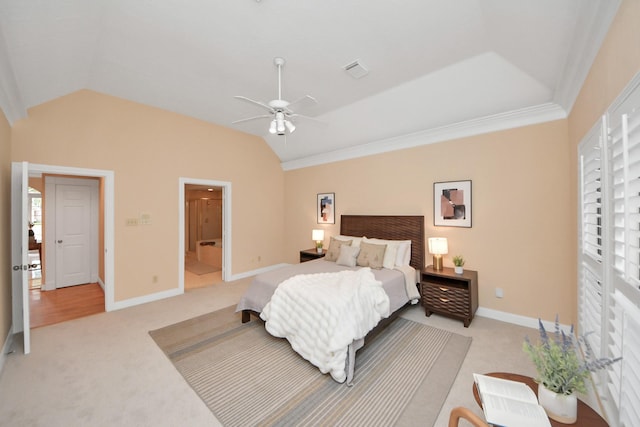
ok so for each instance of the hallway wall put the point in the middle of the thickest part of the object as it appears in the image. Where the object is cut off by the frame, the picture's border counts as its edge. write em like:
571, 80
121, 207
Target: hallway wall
149, 150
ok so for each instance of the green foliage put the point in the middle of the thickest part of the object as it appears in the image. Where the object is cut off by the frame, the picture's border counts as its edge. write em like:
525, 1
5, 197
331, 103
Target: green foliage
558, 363
458, 261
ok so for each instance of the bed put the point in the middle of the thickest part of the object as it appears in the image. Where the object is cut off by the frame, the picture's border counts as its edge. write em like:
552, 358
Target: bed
395, 282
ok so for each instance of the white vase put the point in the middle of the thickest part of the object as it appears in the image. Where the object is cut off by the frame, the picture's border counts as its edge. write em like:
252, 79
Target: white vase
458, 269
559, 407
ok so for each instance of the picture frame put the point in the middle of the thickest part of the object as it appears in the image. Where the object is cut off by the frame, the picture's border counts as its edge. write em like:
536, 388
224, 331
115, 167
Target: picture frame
452, 204
326, 206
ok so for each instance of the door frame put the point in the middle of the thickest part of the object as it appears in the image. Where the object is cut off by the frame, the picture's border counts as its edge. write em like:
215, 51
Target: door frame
226, 225
109, 215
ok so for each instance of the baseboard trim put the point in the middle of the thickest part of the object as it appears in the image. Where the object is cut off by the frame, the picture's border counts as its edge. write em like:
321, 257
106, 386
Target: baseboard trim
118, 305
257, 271
6, 348
516, 319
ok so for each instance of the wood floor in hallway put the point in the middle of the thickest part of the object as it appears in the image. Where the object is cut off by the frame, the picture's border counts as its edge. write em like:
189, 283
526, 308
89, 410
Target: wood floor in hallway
49, 307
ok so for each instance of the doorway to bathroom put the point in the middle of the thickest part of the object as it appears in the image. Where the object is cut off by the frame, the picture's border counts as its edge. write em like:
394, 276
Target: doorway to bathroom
204, 228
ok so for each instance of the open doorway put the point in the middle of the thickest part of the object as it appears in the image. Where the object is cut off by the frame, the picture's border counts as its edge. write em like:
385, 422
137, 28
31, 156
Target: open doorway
204, 232
69, 232
20, 174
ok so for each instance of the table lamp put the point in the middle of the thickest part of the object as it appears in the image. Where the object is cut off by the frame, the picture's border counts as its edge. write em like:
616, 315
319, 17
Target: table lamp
438, 247
318, 236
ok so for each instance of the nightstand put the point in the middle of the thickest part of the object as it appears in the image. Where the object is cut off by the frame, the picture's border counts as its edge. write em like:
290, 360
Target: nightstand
311, 254
445, 292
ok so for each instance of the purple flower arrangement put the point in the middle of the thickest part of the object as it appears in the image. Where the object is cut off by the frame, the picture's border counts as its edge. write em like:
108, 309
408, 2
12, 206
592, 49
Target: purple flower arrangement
560, 367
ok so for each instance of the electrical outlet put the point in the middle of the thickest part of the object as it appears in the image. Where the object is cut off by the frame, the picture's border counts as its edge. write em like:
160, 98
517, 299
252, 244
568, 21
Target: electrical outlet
145, 219
499, 293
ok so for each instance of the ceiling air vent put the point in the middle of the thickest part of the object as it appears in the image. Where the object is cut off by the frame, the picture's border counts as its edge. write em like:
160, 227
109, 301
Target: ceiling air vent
356, 69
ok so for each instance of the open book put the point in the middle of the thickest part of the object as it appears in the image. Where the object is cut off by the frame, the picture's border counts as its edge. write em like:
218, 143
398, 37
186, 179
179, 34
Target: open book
509, 403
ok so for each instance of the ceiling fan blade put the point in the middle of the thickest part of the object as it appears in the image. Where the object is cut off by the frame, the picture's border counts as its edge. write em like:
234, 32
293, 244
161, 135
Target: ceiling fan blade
300, 116
302, 103
254, 102
264, 116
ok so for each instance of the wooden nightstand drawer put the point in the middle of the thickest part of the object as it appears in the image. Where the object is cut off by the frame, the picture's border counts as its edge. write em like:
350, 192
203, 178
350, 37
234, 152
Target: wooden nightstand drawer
445, 292
445, 298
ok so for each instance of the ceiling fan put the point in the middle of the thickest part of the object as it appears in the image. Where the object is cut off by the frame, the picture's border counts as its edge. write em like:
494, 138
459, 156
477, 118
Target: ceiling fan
281, 112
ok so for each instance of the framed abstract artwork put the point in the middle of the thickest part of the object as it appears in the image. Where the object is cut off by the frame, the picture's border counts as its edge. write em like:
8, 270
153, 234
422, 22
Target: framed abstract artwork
326, 208
452, 203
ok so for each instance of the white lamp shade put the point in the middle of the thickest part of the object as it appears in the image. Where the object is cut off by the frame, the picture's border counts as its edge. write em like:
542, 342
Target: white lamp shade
317, 235
438, 245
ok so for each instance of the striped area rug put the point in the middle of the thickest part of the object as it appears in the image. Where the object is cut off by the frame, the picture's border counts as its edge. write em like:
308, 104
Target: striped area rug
249, 378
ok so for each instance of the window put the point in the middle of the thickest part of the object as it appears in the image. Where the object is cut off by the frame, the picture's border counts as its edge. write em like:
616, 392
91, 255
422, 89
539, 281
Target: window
609, 253
35, 212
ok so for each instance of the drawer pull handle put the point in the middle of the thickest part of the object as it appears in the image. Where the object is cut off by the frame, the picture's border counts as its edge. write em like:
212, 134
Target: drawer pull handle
444, 299
444, 289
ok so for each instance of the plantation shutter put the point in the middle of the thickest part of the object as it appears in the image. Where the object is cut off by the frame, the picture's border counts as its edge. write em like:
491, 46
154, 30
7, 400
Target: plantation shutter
591, 172
591, 238
609, 253
624, 376
625, 170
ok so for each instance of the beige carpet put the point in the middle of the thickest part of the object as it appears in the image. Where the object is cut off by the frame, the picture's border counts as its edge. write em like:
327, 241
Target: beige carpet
247, 377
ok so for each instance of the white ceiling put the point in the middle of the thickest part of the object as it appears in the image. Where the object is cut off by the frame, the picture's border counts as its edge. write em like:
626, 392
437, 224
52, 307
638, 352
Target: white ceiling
438, 68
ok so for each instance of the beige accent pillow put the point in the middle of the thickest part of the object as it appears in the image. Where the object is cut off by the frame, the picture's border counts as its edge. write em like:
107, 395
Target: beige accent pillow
348, 255
371, 255
334, 249
355, 241
390, 253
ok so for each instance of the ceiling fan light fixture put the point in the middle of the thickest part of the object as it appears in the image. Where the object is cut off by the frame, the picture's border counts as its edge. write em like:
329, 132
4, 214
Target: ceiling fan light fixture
279, 110
290, 126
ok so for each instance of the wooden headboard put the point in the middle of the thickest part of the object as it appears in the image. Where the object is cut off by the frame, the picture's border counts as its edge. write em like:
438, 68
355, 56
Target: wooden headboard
389, 227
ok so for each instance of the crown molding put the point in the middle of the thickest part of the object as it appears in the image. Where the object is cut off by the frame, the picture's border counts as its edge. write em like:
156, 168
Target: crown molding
583, 50
497, 122
10, 100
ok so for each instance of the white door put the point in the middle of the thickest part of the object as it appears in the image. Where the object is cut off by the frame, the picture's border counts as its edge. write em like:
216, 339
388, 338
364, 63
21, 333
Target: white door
20, 251
73, 237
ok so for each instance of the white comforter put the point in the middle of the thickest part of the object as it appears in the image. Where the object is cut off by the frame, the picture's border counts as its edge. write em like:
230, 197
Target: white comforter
321, 314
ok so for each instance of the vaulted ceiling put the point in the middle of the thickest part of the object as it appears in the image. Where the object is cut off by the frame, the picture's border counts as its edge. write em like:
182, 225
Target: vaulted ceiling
438, 69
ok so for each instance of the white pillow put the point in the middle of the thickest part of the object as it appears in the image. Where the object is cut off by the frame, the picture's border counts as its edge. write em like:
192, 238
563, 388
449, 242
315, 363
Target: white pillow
389, 260
348, 255
355, 241
404, 253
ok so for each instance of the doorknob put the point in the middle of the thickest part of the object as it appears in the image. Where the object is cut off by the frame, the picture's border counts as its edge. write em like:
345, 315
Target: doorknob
59, 241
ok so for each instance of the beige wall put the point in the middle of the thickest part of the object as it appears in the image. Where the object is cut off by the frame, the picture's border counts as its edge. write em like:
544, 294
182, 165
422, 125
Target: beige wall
521, 217
615, 65
5, 228
524, 235
149, 149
